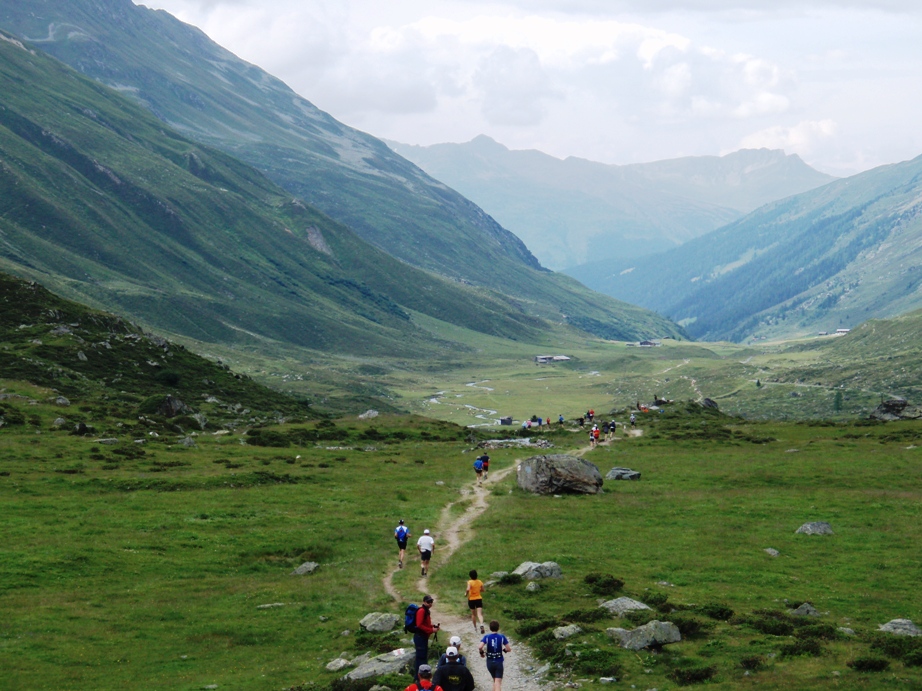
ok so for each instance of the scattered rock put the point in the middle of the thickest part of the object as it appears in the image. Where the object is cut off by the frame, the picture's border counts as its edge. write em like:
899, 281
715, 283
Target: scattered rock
562, 632
607, 680
533, 587
530, 570
201, 420
770, 551
817, 528
654, 633
82, 357
338, 664
896, 409
622, 474
187, 441
368, 415
559, 473
347, 632
305, 568
360, 660
620, 606
108, 441
806, 610
901, 627
666, 584
59, 422
499, 574
379, 622
847, 631
393, 662
271, 605
171, 406
61, 401
81, 429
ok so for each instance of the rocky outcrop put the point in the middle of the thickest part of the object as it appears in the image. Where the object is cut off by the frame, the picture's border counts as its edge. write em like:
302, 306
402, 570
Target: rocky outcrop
654, 633
393, 662
530, 570
806, 610
622, 605
896, 409
817, 528
559, 474
379, 622
901, 627
171, 406
622, 474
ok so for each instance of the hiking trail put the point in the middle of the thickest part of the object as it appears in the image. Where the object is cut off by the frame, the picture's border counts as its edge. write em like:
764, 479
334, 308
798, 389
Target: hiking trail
450, 535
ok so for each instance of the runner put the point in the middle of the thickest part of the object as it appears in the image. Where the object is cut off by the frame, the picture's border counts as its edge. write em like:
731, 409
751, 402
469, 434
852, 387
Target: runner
633, 421
425, 546
595, 433
474, 594
492, 647
454, 641
486, 465
424, 629
478, 468
424, 681
453, 676
401, 534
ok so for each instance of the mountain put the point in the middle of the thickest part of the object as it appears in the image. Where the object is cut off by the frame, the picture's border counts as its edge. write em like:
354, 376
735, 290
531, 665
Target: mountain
825, 259
102, 203
577, 215
214, 98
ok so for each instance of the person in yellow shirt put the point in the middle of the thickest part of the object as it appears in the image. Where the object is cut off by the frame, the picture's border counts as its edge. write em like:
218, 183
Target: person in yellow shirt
474, 594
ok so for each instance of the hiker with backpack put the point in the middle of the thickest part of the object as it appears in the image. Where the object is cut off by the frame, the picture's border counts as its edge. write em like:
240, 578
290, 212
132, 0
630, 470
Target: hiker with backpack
417, 620
425, 545
486, 465
453, 676
401, 534
492, 647
424, 681
474, 594
478, 468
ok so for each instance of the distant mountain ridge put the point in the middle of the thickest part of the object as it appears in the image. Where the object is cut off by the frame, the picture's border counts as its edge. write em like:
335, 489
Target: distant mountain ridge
213, 97
825, 259
575, 212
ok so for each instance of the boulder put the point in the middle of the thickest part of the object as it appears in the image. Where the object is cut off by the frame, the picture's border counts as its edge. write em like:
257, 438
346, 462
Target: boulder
622, 605
817, 528
81, 429
901, 627
530, 570
305, 568
709, 403
654, 633
59, 422
61, 401
622, 474
338, 664
806, 610
368, 415
379, 622
171, 406
896, 409
562, 632
187, 441
533, 587
772, 552
394, 662
557, 474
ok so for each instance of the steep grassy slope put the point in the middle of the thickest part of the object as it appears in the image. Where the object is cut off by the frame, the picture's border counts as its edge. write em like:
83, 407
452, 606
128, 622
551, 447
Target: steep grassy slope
580, 214
211, 96
824, 259
102, 203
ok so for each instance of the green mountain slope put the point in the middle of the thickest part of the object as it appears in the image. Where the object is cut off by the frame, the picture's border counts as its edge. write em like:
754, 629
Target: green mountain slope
825, 259
211, 96
580, 214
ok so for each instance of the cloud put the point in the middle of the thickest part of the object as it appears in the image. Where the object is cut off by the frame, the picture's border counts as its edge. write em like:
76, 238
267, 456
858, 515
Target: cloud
804, 137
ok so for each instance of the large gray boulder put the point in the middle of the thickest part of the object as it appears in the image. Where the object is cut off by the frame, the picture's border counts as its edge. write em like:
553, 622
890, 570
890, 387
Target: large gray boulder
559, 474
652, 633
896, 409
622, 605
379, 622
901, 627
622, 474
530, 570
394, 662
816, 528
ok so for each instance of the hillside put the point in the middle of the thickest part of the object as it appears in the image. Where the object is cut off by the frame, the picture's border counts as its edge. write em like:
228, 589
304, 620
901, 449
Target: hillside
213, 97
826, 259
578, 215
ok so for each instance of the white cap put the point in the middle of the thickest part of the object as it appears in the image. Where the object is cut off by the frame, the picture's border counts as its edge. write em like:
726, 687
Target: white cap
451, 651
426, 531
455, 641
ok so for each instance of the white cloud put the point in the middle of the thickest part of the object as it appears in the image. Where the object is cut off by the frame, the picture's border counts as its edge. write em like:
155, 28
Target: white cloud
804, 137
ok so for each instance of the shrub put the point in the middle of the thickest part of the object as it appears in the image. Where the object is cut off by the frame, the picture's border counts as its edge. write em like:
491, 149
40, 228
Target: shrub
640, 617
869, 663
656, 599
826, 632
803, 646
752, 662
603, 583
510, 579
690, 626
895, 646
533, 627
913, 659
718, 612
586, 615
602, 663
765, 623
521, 613
684, 676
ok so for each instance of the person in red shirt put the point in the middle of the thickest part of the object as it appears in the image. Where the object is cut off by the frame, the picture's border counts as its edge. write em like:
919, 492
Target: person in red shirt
424, 629
424, 682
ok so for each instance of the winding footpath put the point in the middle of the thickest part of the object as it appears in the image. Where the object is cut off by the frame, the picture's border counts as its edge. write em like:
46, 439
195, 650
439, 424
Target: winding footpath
452, 534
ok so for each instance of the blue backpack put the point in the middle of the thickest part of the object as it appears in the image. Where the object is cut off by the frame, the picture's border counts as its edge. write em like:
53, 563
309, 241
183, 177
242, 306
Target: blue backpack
478, 465
409, 618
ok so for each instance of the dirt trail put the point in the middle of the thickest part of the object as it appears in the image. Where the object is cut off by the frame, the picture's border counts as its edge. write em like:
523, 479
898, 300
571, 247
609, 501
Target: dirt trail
451, 534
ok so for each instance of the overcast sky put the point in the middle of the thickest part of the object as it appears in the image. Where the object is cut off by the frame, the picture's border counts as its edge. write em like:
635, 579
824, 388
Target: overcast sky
620, 81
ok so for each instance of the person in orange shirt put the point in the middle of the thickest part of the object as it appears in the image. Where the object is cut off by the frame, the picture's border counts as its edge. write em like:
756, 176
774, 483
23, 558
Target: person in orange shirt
474, 594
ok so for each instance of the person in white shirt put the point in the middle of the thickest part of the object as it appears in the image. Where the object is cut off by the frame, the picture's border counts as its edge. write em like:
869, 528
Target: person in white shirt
425, 545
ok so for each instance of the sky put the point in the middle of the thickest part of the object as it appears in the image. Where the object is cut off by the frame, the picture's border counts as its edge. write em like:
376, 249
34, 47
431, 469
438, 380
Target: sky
618, 81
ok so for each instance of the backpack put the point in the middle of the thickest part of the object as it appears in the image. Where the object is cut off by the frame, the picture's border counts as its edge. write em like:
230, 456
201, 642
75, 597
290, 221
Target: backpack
478, 464
409, 618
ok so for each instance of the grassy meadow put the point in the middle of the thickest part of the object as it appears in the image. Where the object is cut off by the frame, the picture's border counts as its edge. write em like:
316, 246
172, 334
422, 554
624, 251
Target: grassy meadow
144, 565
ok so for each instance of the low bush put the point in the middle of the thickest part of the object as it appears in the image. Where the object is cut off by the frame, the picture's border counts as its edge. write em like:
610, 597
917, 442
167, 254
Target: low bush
510, 579
603, 663
826, 632
769, 622
603, 583
718, 612
869, 663
586, 615
895, 646
802, 647
520, 613
752, 662
656, 599
532, 627
683, 676
639, 617
690, 626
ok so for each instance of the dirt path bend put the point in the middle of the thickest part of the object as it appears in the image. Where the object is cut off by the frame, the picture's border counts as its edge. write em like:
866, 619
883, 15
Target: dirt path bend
451, 533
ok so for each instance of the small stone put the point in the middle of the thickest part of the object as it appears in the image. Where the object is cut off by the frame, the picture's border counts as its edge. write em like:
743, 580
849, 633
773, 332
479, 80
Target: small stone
379, 622
338, 664
533, 587
562, 632
816, 528
770, 551
59, 422
271, 605
323, 618
347, 632
187, 442
847, 631
109, 441
806, 610
61, 401
82, 357
305, 568
622, 605
666, 584
607, 680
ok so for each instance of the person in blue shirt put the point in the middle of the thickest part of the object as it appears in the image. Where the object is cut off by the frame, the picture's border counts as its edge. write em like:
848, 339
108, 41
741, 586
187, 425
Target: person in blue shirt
492, 647
401, 534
